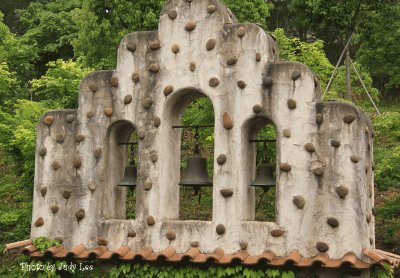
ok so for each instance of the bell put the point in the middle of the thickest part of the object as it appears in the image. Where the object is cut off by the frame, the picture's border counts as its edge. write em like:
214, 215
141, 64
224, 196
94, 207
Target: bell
264, 176
195, 174
130, 175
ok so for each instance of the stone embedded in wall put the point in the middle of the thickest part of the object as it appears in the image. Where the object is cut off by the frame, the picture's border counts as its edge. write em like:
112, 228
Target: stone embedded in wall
54, 208
101, 241
210, 44
153, 156
267, 81
277, 232
226, 192
317, 167
348, 119
192, 66
291, 103
157, 121
211, 9
77, 163
168, 90
214, 82
309, 147
154, 68
194, 244
241, 32
79, 138
80, 214
220, 229
131, 46
342, 191
56, 165
369, 218
172, 14
241, 84
150, 221
90, 114
333, 222
296, 74
335, 143
286, 132
135, 77
93, 87
232, 60
66, 194
114, 81
257, 108
42, 151
141, 134
221, 159
319, 118
285, 167
148, 184
60, 137
322, 246
243, 245
299, 202
97, 152
190, 26
175, 48
154, 45
108, 111
43, 191
128, 99
227, 121
171, 235
147, 103
70, 118
354, 159
48, 120
39, 222
258, 56
92, 186
131, 233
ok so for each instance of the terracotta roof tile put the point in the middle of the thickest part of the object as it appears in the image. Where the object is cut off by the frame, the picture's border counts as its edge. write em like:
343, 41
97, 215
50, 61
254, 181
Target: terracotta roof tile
372, 256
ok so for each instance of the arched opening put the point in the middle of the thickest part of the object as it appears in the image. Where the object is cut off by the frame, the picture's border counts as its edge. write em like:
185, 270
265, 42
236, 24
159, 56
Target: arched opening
188, 111
122, 161
195, 202
260, 156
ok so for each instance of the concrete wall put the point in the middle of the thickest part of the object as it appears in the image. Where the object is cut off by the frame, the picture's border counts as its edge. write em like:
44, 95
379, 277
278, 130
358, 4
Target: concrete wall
158, 74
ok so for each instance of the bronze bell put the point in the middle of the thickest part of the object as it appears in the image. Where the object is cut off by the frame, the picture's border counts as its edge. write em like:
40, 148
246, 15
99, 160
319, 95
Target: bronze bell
264, 176
130, 174
195, 174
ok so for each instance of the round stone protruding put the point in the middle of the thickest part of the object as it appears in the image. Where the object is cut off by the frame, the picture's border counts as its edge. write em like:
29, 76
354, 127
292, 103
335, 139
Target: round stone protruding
80, 214
154, 156
299, 202
90, 114
211, 9
66, 194
60, 137
295, 74
77, 163
172, 14
220, 229
128, 99
192, 66
241, 32
54, 208
97, 152
56, 164
286, 132
131, 233
79, 138
135, 77
168, 90
258, 56
348, 119
157, 121
317, 167
171, 235
175, 48
101, 241
322, 246
369, 218
291, 103
319, 118
210, 44
221, 159
131, 46
154, 68
285, 167
267, 81
335, 143
93, 87
241, 84
257, 108
226, 192
39, 222
148, 184
114, 80
342, 191
354, 159
70, 118
190, 26
43, 191
150, 220
309, 147
194, 244
213, 82
231, 60
108, 111
42, 151
154, 45
333, 222
92, 186
227, 121
243, 245
48, 120
147, 103
141, 134
277, 232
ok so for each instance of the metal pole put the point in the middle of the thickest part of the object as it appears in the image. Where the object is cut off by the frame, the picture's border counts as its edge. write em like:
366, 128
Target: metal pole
365, 88
336, 67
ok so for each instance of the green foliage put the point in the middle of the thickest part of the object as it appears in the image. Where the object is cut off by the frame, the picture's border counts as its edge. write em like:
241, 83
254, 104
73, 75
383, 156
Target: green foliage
253, 11
60, 84
382, 272
43, 243
310, 54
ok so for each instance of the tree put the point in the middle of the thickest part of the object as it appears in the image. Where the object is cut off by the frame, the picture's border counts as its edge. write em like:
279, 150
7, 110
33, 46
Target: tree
253, 11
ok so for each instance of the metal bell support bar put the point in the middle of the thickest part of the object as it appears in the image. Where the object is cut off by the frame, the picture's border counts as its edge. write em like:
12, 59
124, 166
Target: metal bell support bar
195, 174
130, 174
264, 173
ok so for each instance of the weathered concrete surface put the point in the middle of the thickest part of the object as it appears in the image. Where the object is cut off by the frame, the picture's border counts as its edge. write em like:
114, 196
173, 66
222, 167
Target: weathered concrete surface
236, 66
